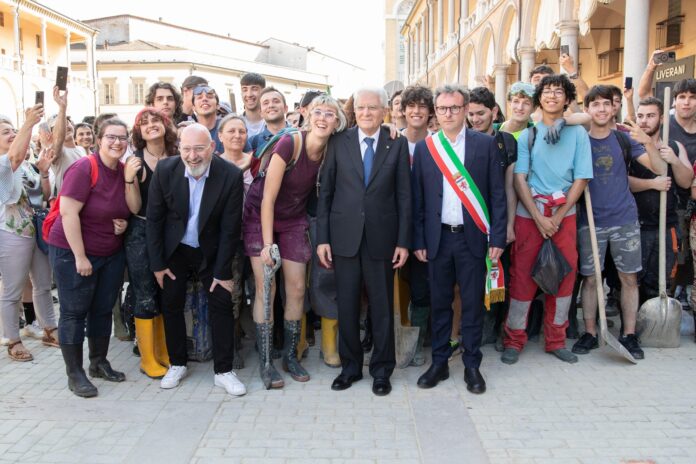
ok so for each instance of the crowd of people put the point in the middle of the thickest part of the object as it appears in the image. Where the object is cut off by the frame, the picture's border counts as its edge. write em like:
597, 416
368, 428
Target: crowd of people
436, 187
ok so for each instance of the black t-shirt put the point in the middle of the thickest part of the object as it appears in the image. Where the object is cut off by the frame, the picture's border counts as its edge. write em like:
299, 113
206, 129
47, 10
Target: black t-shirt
677, 132
648, 201
144, 180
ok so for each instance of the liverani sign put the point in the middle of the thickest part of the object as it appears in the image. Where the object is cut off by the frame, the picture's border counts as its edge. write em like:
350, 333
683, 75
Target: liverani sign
672, 72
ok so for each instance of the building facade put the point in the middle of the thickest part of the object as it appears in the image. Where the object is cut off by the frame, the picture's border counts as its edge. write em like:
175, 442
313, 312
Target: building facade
497, 42
34, 40
133, 52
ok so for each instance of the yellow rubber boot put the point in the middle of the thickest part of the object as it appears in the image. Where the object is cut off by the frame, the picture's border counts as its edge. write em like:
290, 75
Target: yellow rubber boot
161, 353
329, 331
302, 345
144, 328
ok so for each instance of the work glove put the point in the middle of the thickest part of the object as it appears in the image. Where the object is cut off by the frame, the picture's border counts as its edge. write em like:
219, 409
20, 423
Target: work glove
554, 133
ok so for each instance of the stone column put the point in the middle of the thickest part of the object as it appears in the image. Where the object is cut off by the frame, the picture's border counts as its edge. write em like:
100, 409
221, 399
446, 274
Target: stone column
450, 17
17, 40
92, 71
431, 31
500, 72
423, 54
67, 48
407, 49
440, 23
527, 61
636, 34
44, 51
569, 36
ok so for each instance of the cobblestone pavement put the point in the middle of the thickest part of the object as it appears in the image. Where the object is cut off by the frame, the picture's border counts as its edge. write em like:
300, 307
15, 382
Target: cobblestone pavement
601, 410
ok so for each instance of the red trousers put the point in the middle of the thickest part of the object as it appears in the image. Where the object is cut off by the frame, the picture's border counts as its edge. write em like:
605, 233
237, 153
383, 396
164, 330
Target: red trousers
525, 249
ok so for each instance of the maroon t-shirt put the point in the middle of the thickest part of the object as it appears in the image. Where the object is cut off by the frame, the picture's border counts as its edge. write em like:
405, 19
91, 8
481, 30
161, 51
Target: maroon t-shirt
105, 202
291, 202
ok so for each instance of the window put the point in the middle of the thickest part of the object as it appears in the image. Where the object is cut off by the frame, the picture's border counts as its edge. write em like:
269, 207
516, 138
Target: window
233, 101
108, 94
611, 61
38, 41
669, 30
2, 19
138, 93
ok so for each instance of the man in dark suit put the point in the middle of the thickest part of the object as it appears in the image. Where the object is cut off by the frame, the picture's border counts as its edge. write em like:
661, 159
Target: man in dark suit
194, 217
364, 230
449, 228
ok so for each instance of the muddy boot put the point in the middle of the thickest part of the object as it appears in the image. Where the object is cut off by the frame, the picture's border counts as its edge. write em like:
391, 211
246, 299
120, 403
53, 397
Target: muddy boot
419, 318
269, 375
329, 351
290, 362
489, 333
78, 383
98, 364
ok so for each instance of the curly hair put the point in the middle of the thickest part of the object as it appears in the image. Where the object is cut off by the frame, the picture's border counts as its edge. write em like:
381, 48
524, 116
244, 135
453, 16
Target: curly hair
170, 134
151, 93
419, 95
557, 80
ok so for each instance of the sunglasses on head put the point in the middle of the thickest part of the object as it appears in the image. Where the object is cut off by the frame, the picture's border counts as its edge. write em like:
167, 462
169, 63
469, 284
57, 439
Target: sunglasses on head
203, 89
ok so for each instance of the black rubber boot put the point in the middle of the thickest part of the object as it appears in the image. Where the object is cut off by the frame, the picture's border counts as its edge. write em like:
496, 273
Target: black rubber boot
291, 364
98, 364
78, 383
269, 375
489, 317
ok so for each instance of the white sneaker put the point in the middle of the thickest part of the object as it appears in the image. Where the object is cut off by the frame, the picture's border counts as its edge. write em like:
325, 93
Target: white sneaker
33, 330
231, 383
173, 377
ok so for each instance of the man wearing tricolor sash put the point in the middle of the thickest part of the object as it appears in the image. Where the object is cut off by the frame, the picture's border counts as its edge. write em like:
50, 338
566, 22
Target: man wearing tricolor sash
549, 179
460, 224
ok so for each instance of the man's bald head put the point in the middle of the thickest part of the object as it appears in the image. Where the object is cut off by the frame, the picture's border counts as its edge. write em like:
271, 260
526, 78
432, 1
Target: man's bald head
196, 148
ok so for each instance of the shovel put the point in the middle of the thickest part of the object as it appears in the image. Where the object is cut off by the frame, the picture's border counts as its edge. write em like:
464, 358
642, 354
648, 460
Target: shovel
268, 273
605, 337
659, 319
405, 337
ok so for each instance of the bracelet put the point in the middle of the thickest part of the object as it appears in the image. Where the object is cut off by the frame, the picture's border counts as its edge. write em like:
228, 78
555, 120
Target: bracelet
131, 182
44, 177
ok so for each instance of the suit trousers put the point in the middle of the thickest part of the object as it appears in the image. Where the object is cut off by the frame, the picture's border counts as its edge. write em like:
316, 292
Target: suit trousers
184, 262
455, 263
378, 276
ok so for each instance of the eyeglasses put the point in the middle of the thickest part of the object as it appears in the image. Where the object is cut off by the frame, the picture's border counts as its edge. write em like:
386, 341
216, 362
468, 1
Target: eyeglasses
554, 92
113, 138
198, 149
370, 108
328, 115
454, 109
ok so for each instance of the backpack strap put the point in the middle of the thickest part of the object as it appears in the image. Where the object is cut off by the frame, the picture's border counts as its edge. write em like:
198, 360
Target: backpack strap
531, 137
94, 172
296, 149
625, 144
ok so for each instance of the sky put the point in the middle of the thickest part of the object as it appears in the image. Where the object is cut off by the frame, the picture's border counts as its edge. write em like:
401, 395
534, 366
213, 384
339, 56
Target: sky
338, 28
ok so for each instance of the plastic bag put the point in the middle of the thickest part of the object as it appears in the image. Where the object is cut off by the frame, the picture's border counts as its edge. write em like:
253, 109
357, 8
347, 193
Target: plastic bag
550, 268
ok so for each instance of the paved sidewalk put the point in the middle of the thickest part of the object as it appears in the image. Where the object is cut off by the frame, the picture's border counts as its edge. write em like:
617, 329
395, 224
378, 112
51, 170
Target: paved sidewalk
601, 410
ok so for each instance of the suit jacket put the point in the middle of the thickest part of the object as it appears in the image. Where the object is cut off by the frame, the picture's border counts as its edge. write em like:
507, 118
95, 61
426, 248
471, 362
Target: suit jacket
347, 209
486, 166
220, 216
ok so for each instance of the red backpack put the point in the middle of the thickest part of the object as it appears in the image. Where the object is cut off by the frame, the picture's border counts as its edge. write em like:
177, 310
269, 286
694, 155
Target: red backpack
55, 206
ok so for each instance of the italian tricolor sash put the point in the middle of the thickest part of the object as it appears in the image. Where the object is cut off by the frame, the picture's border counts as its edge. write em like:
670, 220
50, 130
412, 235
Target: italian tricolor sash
466, 189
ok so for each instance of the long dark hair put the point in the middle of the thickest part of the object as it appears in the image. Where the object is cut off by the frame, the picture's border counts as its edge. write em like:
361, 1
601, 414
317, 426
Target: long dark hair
170, 136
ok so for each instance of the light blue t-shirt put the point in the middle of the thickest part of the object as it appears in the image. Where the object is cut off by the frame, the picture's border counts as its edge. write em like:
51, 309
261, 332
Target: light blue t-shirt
555, 167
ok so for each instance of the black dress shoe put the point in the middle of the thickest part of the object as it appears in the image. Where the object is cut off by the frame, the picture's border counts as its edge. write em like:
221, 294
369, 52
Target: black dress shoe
474, 380
381, 386
343, 382
433, 376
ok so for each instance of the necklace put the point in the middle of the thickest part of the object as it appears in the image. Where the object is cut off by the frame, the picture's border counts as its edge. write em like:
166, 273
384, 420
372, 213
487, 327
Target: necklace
161, 155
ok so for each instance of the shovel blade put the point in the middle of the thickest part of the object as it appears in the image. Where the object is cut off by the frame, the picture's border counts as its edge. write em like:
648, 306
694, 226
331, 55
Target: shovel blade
659, 322
406, 341
607, 338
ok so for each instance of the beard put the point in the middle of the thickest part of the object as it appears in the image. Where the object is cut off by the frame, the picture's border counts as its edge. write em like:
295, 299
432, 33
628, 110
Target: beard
650, 131
196, 171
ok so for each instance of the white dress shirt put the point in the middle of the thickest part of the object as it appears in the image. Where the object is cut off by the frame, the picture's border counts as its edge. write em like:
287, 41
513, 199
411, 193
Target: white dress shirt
363, 144
195, 196
451, 204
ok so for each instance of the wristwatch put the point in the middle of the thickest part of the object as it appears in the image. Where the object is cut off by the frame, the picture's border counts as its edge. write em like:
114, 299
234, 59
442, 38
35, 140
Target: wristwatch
573, 76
